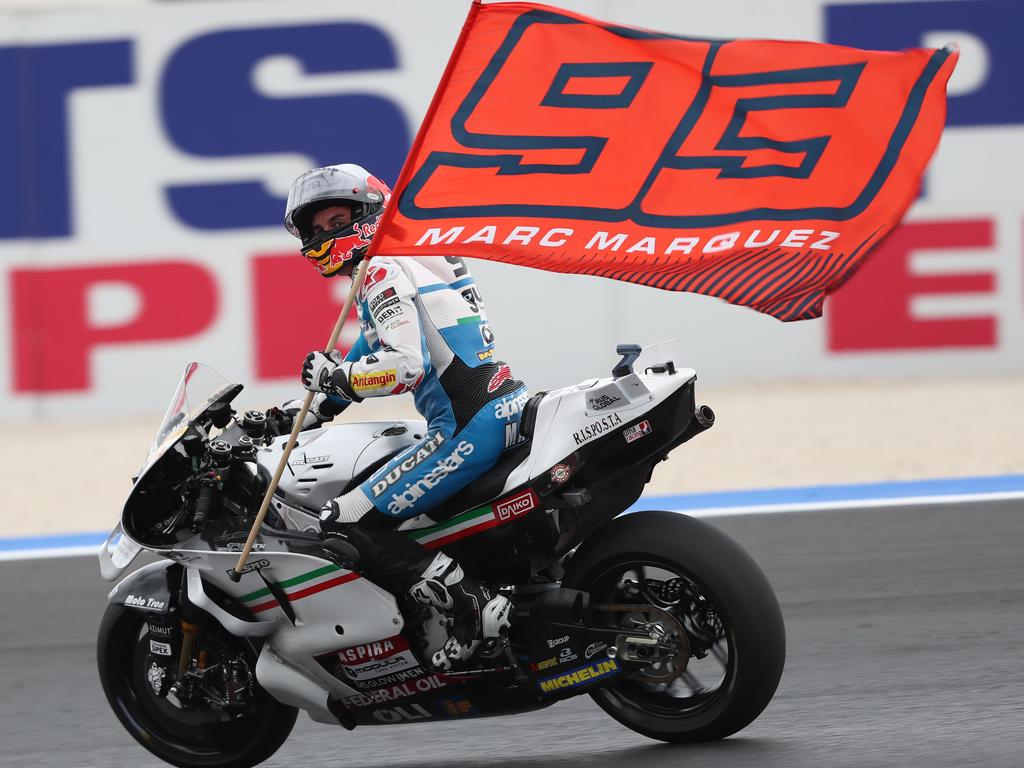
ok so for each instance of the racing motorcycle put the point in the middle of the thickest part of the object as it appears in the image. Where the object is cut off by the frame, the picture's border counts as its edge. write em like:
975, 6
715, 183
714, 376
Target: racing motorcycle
667, 623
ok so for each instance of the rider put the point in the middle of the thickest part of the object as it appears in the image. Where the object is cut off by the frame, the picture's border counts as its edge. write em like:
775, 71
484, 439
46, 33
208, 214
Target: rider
425, 331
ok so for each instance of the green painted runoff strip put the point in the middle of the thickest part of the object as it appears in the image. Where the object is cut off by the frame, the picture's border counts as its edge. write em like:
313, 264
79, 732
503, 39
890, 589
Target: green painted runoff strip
291, 582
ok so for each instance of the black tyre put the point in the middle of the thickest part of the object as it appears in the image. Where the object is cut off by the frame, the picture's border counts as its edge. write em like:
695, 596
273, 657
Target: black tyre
724, 602
193, 738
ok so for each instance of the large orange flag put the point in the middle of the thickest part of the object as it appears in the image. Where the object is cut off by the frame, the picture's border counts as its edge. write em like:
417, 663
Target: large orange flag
759, 171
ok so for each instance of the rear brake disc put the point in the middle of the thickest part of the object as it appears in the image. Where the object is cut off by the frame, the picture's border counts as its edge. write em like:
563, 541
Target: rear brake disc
672, 633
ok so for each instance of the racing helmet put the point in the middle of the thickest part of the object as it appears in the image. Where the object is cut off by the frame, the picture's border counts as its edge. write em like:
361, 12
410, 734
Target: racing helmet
345, 185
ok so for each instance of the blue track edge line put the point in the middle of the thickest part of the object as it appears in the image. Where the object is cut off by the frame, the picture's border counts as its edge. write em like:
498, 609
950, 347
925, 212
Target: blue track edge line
960, 486
54, 541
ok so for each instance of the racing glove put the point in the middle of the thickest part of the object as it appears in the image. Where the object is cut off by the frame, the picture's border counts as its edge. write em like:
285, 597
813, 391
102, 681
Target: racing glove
324, 373
322, 409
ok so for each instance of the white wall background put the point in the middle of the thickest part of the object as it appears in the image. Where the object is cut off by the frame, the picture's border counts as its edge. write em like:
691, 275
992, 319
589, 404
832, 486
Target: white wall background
554, 329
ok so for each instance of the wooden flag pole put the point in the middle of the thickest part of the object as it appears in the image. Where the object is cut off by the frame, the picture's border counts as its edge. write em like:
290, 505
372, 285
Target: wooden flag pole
357, 281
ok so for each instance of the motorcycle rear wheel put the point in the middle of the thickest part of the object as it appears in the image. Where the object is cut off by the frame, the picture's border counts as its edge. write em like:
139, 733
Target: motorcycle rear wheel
737, 622
186, 739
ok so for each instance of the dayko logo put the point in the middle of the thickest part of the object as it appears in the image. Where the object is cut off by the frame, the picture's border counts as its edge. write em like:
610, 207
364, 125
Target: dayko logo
516, 505
377, 380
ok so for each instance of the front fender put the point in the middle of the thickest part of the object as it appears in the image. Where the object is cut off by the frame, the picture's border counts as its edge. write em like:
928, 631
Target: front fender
149, 589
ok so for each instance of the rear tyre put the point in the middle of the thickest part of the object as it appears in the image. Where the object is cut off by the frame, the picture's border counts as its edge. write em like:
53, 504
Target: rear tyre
720, 595
186, 738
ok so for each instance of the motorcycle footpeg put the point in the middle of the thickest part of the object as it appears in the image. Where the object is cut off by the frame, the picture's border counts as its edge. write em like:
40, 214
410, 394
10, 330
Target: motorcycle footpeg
493, 647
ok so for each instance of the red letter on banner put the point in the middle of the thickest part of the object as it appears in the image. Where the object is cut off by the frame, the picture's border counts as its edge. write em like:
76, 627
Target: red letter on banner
872, 311
294, 311
54, 336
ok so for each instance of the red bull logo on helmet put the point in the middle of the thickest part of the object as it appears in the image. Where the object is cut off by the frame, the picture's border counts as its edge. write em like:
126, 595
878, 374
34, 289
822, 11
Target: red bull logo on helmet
334, 253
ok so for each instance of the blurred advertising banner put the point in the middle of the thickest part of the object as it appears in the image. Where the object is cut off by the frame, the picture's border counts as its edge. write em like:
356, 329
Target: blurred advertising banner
146, 151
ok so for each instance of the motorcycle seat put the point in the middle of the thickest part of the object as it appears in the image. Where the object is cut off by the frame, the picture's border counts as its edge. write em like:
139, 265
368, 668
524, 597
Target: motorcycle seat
490, 484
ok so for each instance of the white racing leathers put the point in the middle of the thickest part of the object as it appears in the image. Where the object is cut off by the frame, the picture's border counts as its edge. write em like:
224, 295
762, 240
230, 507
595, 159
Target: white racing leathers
425, 330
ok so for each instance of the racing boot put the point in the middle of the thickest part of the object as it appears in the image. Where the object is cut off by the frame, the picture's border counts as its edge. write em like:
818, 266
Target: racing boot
480, 618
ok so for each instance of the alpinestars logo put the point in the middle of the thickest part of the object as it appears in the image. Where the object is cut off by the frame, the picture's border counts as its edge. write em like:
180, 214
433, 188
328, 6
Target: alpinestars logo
506, 408
443, 468
410, 462
503, 374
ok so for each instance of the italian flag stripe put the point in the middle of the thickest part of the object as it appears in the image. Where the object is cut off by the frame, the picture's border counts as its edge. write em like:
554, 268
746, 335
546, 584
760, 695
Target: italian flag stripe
300, 579
457, 528
448, 538
298, 595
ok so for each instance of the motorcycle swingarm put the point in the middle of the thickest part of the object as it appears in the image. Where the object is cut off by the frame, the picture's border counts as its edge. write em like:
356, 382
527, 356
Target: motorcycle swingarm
572, 649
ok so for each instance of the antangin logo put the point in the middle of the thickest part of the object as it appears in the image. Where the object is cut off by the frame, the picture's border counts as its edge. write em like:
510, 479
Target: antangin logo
376, 380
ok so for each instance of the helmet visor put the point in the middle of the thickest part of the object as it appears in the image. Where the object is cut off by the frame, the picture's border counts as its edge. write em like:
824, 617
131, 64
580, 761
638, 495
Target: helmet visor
336, 182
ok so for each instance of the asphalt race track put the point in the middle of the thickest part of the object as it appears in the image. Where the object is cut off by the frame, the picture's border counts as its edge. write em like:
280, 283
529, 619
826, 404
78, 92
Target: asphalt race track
905, 634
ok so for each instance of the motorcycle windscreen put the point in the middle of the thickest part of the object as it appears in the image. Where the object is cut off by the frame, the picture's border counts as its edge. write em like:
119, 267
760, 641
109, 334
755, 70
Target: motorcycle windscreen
199, 387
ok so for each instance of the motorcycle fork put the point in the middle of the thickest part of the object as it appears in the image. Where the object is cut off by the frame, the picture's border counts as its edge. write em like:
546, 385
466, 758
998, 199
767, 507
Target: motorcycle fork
190, 621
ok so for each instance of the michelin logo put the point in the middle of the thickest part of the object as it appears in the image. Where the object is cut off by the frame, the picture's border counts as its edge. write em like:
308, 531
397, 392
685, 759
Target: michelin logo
581, 676
443, 468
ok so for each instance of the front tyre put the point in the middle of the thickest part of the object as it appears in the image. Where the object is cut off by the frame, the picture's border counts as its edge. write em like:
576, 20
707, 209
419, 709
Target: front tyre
734, 627
190, 738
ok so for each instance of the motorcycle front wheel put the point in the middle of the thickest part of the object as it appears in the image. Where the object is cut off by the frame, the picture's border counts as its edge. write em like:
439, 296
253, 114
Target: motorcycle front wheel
189, 737
735, 637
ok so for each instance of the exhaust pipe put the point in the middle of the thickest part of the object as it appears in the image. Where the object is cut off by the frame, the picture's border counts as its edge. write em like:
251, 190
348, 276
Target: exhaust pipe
704, 416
